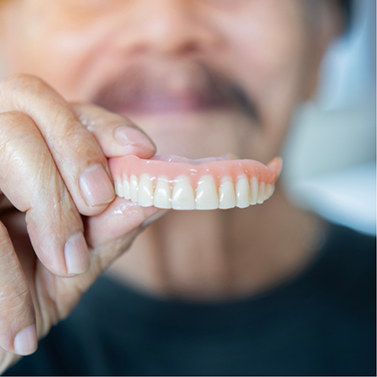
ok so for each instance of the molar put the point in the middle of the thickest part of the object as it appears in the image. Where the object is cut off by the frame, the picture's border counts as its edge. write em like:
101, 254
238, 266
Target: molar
206, 193
145, 192
243, 192
270, 190
227, 194
162, 193
267, 191
134, 188
183, 194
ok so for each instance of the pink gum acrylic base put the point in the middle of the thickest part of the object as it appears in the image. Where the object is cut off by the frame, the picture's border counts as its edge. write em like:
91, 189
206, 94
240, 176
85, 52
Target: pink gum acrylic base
132, 165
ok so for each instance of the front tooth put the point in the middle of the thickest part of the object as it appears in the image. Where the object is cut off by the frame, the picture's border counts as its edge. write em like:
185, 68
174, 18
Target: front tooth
261, 193
119, 188
145, 193
206, 193
183, 194
254, 190
227, 194
243, 192
134, 188
126, 188
162, 194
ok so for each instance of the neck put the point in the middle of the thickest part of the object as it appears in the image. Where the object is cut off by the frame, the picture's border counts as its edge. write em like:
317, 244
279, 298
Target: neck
217, 255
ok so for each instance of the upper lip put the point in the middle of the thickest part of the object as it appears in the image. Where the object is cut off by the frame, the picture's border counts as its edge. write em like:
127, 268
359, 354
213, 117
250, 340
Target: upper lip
164, 102
167, 87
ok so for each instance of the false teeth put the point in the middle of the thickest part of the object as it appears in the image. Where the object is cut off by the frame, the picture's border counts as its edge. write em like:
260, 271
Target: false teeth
270, 188
267, 190
254, 190
261, 197
179, 194
206, 193
201, 184
134, 188
243, 192
119, 188
183, 194
126, 188
145, 191
227, 194
162, 194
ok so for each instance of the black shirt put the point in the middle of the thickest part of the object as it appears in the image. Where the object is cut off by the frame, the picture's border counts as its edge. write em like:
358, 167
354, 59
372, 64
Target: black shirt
321, 322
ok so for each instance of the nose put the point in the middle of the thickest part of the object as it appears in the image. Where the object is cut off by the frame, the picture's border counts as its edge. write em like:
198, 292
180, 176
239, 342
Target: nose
165, 27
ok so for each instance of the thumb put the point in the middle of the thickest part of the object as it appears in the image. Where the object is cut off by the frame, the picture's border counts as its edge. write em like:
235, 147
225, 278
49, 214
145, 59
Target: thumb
120, 218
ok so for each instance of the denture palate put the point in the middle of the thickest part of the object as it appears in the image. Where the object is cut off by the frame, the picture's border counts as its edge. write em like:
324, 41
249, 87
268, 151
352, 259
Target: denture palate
182, 184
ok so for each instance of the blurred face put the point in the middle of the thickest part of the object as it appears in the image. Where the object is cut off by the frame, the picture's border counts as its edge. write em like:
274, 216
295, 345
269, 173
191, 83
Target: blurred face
201, 77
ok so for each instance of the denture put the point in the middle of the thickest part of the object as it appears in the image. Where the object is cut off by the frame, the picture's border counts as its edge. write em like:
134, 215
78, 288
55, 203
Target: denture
183, 184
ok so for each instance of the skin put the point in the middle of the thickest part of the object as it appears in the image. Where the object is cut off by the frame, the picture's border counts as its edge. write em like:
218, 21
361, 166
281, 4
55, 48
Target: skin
271, 49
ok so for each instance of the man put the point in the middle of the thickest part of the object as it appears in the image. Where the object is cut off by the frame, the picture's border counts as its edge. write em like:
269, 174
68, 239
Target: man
251, 291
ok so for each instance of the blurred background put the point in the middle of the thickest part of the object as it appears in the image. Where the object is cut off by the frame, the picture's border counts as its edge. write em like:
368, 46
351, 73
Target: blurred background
330, 155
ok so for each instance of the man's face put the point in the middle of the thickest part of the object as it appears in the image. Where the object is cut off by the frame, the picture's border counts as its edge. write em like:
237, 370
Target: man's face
201, 77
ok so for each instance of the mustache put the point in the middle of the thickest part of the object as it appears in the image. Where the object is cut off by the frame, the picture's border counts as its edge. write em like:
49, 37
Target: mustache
208, 87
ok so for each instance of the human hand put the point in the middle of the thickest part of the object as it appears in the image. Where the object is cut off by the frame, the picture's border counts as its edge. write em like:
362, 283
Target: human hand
60, 224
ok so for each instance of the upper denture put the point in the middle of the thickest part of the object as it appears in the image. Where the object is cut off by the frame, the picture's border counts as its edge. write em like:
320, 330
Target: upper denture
179, 183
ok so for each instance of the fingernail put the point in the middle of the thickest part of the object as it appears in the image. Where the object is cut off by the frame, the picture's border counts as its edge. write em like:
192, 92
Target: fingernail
76, 254
26, 341
96, 187
132, 136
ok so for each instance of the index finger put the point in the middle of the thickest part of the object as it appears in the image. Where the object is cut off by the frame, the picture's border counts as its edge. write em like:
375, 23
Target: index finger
75, 150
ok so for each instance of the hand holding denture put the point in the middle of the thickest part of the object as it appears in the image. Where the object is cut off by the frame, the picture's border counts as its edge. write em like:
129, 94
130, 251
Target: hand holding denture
52, 171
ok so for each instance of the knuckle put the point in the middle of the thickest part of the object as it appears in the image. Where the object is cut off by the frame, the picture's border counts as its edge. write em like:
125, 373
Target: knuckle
88, 147
18, 296
10, 119
16, 132
14, 292
81, 145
